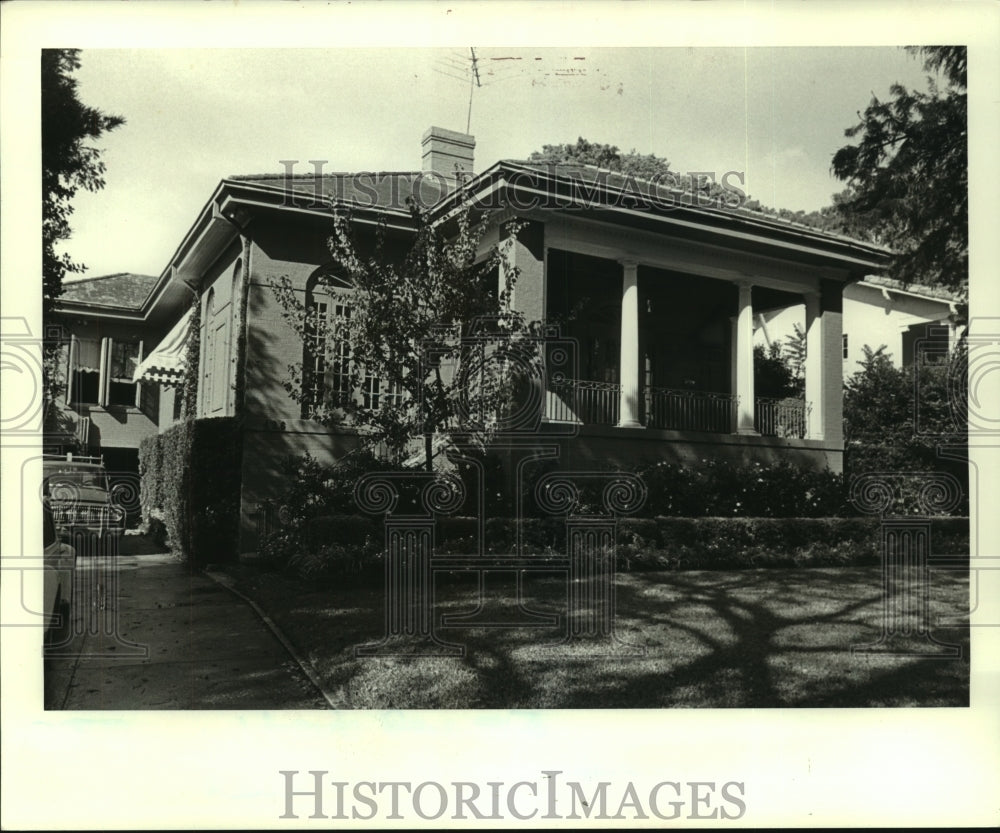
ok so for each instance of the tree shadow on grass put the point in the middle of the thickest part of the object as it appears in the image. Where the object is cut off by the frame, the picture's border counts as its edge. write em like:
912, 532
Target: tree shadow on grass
764, 639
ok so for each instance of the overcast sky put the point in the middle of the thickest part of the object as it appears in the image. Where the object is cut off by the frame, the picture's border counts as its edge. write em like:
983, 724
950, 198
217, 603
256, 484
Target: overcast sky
196, 116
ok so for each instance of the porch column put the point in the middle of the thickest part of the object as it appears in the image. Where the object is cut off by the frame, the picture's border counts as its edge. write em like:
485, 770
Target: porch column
814, 366
628, 410
830, 348
744, 361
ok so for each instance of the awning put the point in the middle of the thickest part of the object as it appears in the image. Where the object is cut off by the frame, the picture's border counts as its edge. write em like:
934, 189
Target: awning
165, 364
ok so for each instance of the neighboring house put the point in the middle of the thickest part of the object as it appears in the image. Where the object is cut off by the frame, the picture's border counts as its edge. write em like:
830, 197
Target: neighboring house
666, 292
878, 311
106, 332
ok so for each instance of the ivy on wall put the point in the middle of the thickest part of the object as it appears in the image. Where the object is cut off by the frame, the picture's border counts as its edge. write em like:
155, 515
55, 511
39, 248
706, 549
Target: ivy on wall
190, 481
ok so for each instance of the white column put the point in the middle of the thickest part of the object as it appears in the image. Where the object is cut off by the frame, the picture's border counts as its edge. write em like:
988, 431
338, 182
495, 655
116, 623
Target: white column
70, 365
628, 411
814, 367
744, 362
103, 384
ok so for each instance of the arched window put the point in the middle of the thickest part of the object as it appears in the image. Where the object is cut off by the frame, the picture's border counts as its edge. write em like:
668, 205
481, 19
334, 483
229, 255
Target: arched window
326, 348
329, 364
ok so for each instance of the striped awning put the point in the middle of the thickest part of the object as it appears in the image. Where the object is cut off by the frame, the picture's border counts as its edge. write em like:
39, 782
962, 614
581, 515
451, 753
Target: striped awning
165, 365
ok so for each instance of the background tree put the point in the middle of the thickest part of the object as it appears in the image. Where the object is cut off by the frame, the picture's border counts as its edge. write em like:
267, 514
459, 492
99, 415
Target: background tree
69, 162
652, 167
797, 354
896, 418
408, 319
773, 373
907, 175
604, 156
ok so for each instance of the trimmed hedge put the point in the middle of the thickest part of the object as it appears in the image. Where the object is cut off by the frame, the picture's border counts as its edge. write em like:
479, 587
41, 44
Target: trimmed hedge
340, 546
726, 490
190, 480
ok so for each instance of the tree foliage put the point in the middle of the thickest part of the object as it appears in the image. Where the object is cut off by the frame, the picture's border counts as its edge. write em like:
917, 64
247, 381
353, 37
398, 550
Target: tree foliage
774, 375
69, 160
435, 328
609, 157
895, 418
655, 168
907, 174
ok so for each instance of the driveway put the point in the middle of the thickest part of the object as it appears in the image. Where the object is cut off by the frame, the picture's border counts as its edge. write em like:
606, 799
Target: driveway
149, 634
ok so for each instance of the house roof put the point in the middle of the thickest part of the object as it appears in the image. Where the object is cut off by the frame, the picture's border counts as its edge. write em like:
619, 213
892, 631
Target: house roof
661, 193
382, 197
937, 293
387, 190
123, 290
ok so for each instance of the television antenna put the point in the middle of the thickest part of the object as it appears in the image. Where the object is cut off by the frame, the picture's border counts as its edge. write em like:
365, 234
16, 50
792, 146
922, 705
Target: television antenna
473, 80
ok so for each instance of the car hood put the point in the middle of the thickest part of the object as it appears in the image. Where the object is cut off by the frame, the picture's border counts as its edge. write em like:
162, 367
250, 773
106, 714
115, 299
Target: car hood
78, 494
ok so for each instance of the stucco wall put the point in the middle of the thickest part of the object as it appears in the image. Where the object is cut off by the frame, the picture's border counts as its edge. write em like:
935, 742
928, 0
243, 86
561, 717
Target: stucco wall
868, 319
112, 426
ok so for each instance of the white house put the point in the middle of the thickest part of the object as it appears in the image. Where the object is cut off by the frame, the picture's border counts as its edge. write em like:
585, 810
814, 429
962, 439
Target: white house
877, 311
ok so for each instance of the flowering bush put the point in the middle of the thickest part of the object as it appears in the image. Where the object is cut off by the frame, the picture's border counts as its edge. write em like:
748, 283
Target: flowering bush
318, 534
724, 490
737, 543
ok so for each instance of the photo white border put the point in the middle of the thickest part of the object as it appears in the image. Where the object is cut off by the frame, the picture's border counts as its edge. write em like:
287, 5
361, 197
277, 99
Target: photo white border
879, 767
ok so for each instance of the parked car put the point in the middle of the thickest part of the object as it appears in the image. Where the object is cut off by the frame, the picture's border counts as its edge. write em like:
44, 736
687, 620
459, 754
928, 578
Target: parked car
79, 494
60, 569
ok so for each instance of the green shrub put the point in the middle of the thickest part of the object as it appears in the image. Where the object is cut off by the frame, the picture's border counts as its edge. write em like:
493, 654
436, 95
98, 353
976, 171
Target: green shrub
333, 561
735, 543
320, 534
896, 418
719, 489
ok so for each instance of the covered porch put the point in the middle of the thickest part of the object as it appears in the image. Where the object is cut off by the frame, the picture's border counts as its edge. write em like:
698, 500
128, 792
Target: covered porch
667, 349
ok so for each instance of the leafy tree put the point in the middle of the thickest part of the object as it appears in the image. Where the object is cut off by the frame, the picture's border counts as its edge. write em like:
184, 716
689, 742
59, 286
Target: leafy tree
409, 332
797, 354
907, 174
654, 168
773, 373
608, 157
878, 406
70, 161
895, 419
631, 164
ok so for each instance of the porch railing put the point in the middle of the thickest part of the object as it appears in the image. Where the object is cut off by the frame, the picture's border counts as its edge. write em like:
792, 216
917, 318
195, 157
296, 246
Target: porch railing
83, 431
689, 410
781, 417
596, 403
580, 400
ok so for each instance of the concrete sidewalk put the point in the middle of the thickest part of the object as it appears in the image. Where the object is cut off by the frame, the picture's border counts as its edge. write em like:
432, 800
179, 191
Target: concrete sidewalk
149, 634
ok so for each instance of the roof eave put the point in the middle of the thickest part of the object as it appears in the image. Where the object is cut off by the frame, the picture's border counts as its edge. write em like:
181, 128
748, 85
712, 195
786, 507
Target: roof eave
855, 256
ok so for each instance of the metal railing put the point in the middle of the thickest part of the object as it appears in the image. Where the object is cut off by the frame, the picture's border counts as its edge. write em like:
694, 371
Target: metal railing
781, 417
580, 400
596, 403
83, 431
689, 410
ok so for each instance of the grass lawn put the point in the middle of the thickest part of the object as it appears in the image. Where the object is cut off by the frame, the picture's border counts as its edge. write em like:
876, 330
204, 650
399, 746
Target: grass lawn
748, 638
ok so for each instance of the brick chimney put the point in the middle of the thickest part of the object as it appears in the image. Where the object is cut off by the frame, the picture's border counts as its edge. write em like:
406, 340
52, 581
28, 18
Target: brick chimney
445, 152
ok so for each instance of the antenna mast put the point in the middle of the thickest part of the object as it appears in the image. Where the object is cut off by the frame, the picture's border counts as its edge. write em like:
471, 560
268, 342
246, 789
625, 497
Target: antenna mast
473, 83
